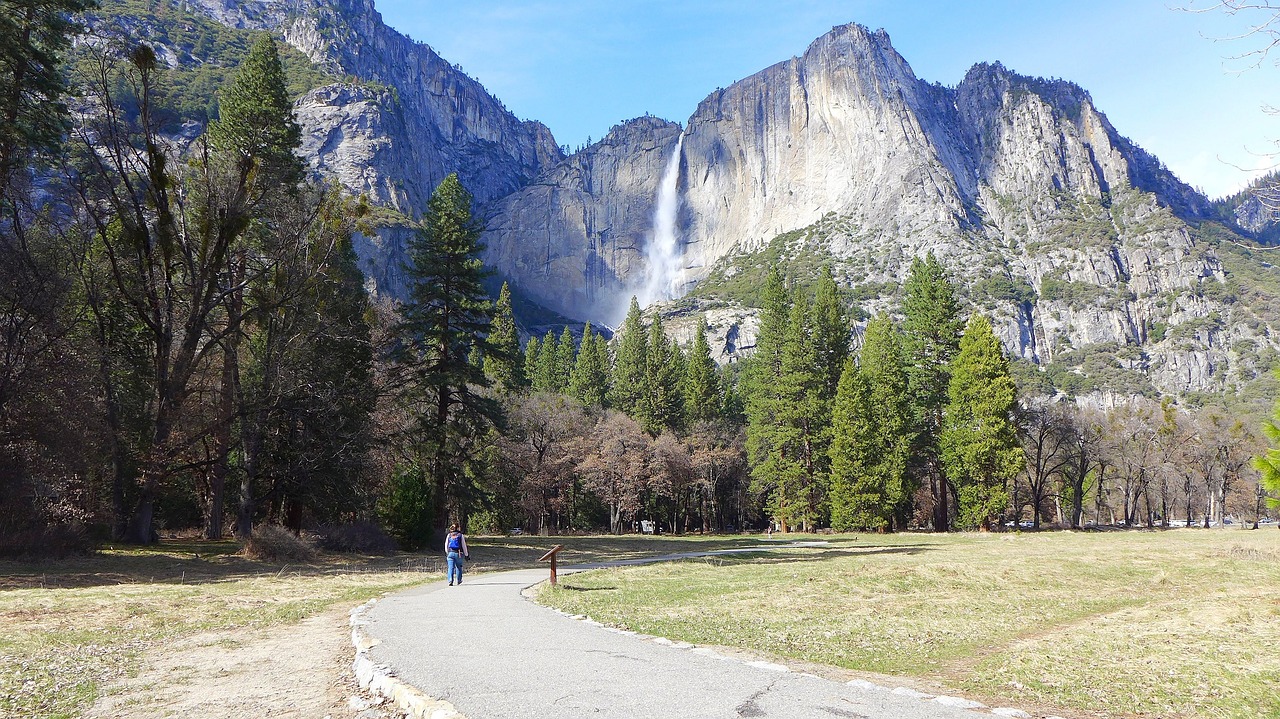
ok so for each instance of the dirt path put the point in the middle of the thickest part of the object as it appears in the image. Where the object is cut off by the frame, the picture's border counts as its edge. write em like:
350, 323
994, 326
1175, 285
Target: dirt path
294, 670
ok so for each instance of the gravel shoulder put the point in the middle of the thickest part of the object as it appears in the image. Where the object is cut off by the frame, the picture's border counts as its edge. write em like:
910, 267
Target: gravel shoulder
298, 670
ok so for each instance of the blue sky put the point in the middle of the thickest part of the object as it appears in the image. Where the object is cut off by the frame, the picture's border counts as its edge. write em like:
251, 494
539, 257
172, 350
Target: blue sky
581, 66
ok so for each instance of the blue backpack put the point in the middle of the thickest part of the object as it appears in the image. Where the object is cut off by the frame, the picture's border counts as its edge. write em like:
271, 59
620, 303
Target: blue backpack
455, 541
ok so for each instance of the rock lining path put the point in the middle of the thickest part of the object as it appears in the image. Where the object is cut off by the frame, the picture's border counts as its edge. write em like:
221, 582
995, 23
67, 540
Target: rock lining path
492, 654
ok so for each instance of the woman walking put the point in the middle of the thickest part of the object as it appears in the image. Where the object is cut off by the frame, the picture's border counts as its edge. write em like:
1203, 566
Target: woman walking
455, 549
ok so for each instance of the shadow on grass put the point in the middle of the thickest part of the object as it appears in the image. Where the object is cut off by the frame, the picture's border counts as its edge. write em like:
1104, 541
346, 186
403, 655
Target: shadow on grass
188, 561
788, 556
571, 588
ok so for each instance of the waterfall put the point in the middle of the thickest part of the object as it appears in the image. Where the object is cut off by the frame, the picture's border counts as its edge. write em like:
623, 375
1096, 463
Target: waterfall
665, 276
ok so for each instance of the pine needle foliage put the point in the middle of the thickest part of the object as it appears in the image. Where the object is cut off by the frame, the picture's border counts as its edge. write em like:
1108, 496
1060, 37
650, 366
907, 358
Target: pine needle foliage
256, 118
979, 443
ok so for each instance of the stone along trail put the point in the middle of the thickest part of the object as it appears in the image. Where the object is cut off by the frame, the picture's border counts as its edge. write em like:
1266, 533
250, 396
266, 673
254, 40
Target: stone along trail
492, 654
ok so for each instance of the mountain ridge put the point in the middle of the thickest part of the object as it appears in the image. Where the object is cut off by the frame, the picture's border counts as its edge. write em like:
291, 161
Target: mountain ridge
1067, 233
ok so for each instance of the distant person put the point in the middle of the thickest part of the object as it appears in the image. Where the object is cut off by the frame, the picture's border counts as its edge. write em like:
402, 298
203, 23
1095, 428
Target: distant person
455, 549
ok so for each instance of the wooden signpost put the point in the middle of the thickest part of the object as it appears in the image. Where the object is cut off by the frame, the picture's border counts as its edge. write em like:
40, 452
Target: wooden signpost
551, 557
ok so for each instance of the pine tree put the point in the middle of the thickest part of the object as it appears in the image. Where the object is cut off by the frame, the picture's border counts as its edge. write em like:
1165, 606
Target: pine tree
830, 334
882, 363
33, 115
590, 379
532, 356
763, 399
1268, 463
871, 444
252, 171
447, 312
564, 358
702, 402
661, 405
980, 450
931, 337
544, 373
255, 117
504, 364
804, 421
628, 381
856, 499
787, 429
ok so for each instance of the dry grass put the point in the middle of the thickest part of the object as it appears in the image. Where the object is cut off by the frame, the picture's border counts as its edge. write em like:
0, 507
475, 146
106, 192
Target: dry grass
1171, 624
68, 628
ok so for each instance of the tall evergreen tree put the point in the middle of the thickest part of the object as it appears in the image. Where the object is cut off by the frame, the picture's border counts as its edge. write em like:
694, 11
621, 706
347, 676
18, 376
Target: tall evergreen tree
702, 401
590, 380
830, 334
34, 34
255, 117
627, 384
532, 356
763, 399
504, 364
565, 355
787, 428
544, 372
857, 501
804, 419
661, 406
882, 362
447, 313
980, 450
255, 180
931, 337
870, 485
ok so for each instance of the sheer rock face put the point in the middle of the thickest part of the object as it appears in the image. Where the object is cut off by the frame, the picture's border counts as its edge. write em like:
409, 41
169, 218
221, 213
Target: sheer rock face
1013, 182
845, 128
409, 118
576, 238
1006, 178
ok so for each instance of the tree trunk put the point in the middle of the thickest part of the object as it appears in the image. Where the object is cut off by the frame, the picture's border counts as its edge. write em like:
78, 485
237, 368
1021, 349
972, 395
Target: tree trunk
140, 523
251, 439
229, 392
941, 508
222, 443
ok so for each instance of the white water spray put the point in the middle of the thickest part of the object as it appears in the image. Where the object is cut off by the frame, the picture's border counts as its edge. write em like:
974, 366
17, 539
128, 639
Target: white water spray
665, 277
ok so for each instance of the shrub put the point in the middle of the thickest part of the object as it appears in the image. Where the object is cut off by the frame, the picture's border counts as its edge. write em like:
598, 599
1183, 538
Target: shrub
273, 543
56, 541
355, 538
406, 509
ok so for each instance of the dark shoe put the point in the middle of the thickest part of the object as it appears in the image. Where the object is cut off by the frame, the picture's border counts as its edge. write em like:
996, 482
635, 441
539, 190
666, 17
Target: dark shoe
451, 584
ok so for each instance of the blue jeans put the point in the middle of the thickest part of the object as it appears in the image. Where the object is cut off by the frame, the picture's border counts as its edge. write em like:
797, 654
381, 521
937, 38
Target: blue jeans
455, 566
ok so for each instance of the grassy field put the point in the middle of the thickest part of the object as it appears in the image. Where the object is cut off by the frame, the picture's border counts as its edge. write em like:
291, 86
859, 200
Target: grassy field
68, 628
1181, 623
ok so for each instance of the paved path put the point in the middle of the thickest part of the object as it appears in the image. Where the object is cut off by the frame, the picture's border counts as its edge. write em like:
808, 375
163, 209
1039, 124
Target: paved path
495, 655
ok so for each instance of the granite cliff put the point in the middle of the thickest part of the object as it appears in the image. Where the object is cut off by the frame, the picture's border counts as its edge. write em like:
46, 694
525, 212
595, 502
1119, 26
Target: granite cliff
397, 119
1092, 257
1099, 266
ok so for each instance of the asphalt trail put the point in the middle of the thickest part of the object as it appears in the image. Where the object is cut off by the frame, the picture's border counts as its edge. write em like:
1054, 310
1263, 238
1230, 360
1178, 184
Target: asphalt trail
495, 655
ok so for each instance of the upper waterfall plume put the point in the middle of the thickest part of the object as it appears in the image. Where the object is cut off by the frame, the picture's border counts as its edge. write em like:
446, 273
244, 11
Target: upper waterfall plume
665, 276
